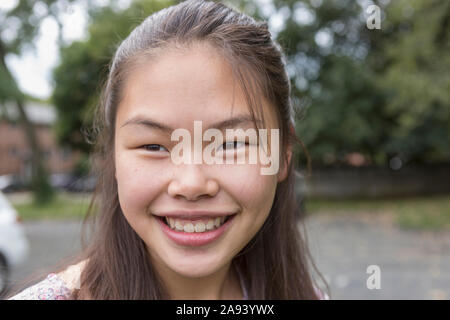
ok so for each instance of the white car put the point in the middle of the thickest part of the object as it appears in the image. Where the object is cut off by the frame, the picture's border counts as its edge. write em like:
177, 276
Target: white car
13, 242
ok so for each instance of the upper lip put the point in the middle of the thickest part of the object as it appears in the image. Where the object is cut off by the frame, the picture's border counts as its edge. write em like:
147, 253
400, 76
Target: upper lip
194, 214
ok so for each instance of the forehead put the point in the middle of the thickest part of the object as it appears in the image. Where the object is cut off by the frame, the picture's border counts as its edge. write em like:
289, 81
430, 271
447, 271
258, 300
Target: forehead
179, 86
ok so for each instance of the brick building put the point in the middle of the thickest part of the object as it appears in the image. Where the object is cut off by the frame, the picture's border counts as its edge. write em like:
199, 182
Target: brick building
15, 153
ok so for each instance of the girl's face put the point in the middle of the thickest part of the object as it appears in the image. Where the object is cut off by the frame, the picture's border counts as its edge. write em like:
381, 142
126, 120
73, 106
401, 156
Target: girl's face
173, 91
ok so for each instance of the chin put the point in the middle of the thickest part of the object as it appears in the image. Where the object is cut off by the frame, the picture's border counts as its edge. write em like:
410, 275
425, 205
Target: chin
195, 267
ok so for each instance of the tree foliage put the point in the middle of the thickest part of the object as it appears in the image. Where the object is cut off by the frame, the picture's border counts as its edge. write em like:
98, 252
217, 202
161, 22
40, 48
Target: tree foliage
380, 93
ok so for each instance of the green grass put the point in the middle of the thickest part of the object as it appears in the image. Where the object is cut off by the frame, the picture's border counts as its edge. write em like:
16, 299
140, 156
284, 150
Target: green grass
423, 213
64, 206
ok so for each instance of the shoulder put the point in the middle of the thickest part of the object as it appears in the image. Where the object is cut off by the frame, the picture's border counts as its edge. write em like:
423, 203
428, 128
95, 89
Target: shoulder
56, 286
71, 275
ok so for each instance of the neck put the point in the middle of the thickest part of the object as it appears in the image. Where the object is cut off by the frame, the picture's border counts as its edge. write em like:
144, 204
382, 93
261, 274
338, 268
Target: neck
221, 285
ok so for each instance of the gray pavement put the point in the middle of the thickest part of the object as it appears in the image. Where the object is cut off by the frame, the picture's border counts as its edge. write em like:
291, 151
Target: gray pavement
413, 264
50, 241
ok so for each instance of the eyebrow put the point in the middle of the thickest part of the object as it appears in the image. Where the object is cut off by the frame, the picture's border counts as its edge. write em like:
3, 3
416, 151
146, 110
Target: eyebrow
152, 124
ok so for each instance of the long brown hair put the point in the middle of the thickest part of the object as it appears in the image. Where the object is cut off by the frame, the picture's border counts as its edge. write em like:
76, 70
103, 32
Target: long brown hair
276, 263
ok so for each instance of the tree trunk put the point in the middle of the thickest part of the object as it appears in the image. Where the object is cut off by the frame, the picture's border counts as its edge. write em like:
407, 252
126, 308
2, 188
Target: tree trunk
39, 179
42, 190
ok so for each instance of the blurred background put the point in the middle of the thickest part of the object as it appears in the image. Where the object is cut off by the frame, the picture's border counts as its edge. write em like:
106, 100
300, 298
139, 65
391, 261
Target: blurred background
371, 89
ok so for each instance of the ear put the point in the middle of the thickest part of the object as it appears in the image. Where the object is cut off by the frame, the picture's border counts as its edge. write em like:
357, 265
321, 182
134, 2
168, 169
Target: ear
282, 174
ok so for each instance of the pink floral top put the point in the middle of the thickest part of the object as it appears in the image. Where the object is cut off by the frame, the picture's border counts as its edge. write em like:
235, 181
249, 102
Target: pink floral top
53, 287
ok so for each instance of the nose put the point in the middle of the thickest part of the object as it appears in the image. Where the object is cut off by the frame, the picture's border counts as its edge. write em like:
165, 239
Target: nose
191, 183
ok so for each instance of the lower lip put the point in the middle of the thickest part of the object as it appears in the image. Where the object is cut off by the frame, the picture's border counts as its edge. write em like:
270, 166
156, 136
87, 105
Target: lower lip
194, 239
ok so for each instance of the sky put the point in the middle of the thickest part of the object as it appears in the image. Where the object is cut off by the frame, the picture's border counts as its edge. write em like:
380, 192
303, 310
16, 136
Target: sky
32, 69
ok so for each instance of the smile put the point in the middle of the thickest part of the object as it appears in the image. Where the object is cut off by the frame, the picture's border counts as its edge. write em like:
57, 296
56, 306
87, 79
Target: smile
201, 225
194, 230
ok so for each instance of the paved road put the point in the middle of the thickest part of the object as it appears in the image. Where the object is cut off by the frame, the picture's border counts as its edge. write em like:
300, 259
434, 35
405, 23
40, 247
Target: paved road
414, 265
50, 241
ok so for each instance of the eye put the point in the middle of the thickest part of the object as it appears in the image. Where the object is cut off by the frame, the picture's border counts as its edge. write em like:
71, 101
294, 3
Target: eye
233, 144
153, 147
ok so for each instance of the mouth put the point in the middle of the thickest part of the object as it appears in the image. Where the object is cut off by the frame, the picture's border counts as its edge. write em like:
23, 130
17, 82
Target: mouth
194, 230
194, 224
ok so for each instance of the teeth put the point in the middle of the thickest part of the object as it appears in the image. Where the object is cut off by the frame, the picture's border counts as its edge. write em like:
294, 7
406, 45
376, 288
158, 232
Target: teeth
178, 225
198, 227
189, 228
210, 224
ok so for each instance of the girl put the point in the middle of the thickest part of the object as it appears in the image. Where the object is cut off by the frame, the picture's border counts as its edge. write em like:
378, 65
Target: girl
191, 231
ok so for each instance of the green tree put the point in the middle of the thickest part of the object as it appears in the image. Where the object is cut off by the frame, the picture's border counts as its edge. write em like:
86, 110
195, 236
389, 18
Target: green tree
414, 74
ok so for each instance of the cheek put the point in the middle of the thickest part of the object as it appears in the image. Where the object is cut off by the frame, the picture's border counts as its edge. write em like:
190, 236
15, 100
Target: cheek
253, 191
250, 188
258, 201
137, 184
255, 194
